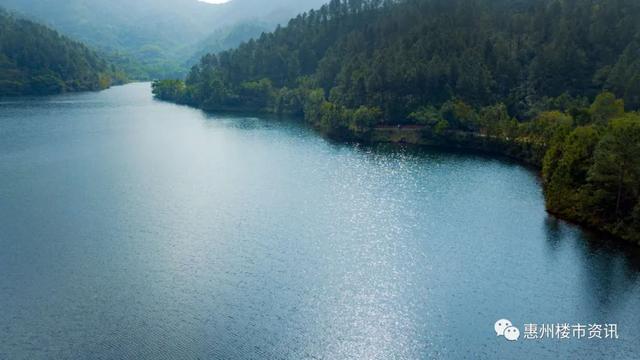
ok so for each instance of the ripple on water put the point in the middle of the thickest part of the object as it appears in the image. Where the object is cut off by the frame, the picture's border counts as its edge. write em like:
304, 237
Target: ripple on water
136, 229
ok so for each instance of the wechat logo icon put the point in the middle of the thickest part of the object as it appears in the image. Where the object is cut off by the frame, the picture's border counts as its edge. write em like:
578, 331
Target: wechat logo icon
504, 327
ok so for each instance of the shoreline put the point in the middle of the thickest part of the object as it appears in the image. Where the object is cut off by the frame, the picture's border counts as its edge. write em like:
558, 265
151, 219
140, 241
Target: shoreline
415, 136
525, 154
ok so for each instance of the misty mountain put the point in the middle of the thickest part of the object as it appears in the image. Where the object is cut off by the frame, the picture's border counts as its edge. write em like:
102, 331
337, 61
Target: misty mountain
227, 38
271, 11
154, 37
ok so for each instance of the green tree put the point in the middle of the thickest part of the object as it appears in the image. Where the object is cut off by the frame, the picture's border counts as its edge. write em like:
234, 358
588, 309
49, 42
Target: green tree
427, 115
616, 167
565, 170
364, 118
548, 127
493, 118
257, 95
606, 107
35, 60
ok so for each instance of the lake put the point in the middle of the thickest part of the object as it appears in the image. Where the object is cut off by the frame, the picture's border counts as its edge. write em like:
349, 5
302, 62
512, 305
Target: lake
136, 229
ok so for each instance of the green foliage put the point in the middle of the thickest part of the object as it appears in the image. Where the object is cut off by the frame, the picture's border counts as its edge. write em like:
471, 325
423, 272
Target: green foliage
616, 168
365, 118
548, 127
606, 107
495, 121
593, 175
406, 56
441, 127
169, 89
565, 169
426, 115
460, 115
36, 60
257, 95
509, 77
153, 39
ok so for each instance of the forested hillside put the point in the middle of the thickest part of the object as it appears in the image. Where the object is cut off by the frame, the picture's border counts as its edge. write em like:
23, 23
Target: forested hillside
400, 57
555, 83
142, 36
36, 60
228, 38
153, 39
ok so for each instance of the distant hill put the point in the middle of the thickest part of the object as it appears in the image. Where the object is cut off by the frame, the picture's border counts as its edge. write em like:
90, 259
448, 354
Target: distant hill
153, 38
272, 11
227, 38
36, 60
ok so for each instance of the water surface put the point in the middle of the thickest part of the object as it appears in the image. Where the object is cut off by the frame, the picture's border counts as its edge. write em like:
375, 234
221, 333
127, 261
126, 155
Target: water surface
136, 229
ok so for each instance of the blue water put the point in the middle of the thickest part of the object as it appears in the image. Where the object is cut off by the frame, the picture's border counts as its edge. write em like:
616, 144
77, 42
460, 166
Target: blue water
136, 229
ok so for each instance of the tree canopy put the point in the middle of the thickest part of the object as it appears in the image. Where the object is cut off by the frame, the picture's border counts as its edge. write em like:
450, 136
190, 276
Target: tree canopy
403, 55
36, 60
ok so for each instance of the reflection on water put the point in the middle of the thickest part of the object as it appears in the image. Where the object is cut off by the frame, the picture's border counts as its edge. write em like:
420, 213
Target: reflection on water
610, 267
136, 229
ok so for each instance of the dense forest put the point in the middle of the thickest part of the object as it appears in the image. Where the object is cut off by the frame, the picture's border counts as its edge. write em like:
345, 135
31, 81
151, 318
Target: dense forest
155, 39
35, 60
554, 83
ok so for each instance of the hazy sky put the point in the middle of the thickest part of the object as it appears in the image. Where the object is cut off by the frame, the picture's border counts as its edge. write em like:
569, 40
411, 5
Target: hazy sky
215, 1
